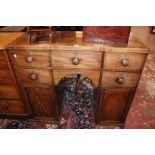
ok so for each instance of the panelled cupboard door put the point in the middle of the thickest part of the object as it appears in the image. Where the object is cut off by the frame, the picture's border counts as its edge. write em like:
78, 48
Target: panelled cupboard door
113, 104
41, 101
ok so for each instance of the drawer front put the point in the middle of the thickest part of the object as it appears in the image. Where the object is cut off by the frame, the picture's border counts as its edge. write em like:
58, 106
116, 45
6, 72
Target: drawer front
34, 75
8, 92
5, 77
3, 62
120, 79
76, 59
124, 61
30, 58
93, 75
11, 106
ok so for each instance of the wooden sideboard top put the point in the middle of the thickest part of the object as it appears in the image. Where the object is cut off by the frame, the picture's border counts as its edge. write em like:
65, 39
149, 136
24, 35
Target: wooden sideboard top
69, 41
7, 37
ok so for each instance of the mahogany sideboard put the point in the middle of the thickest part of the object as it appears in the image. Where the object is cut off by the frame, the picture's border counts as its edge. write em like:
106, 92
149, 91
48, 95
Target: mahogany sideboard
38, 68
11, 102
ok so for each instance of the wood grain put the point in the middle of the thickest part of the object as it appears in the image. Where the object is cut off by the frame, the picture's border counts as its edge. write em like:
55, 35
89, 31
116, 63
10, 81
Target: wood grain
114, 61
112, 104
3, 62
39, 58
109, 79
8, 92
43, 75
41, 101
11, 107
63, 59
5, 77
6, 38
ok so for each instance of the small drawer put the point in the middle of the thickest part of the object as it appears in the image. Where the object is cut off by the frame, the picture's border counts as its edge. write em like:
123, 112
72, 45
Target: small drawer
76, 59
33, 75
5, 77
3, 61
30, 58
124, 61
120, 79
93, 75
7, 91
11, 106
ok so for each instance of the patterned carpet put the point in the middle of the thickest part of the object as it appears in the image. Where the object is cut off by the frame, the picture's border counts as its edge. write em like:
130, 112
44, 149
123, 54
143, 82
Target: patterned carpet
78, 102
31, 124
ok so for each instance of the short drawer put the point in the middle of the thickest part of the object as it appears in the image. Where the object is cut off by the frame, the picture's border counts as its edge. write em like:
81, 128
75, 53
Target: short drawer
11, 107
124, 61
93, 75
5, 76
3, 62
34, 75
76, 59
30, 58
120, 79
7, 91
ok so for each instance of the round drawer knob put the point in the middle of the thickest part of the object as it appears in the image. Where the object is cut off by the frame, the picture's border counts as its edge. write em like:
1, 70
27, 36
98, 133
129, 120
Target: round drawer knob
75, 61
120, 80
14, 55
125, 62
33, 76
5, 107
29, 58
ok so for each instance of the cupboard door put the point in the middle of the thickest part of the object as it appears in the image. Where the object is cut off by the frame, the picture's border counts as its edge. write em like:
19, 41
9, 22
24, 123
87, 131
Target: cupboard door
113, 105
41, 101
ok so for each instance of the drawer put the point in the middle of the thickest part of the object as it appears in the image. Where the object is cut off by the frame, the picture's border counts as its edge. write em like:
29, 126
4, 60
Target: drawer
30, 58
3, 62
5, 77
124, 61
34, 75
11, 106
120, 79
8, 91
76, 59
93, 75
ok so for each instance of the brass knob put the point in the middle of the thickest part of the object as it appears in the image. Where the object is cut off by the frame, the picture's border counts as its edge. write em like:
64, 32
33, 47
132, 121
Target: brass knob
33, 76
29, 58
125, 62
5, 107
120, 80
75, 61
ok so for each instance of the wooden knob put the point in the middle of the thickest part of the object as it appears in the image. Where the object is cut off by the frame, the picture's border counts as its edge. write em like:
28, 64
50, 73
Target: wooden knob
5, 107
125, 62
29, 58
15, 55
120, 80
33, 76
75, 61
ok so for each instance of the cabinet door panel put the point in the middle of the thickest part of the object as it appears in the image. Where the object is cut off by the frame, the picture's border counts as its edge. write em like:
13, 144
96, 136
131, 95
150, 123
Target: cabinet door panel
112, 104
41, 101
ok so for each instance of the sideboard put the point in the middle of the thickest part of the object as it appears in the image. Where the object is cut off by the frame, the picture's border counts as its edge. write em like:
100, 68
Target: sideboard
38, 68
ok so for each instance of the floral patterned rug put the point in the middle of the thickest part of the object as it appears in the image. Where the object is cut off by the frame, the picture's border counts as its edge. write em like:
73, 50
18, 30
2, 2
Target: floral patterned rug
78, 103
31, 124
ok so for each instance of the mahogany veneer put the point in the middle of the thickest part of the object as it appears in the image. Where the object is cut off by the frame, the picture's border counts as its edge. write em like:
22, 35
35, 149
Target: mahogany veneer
115, 72
11, 102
